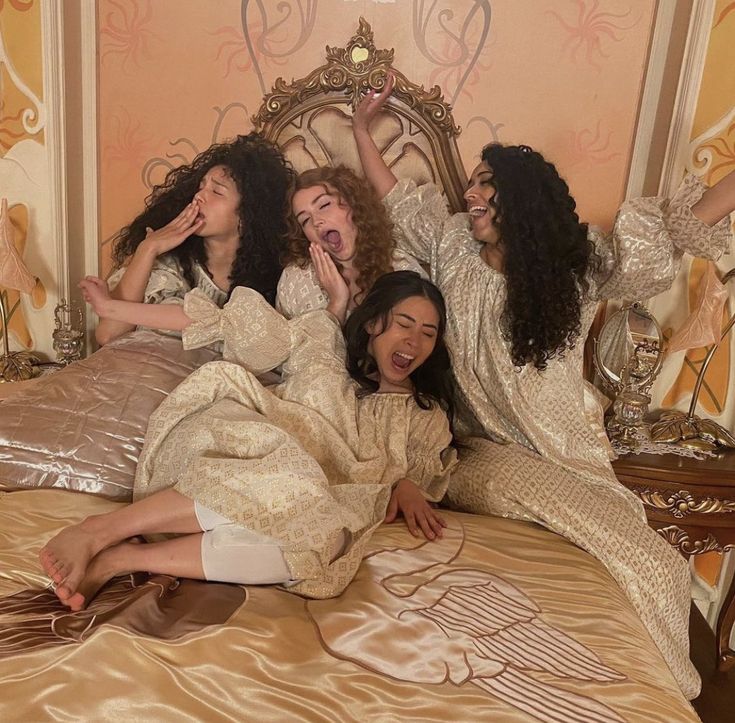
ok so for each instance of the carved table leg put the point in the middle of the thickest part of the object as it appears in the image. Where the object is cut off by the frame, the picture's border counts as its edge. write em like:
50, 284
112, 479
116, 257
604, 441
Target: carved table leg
723, 631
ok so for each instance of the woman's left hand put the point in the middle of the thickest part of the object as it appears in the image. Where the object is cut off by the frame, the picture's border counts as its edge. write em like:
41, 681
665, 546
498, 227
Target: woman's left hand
331, 281
419, 514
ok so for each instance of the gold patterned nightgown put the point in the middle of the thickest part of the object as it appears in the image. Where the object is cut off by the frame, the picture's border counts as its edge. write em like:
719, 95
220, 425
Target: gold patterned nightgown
300, 462
552, 466
299, 290
167, 285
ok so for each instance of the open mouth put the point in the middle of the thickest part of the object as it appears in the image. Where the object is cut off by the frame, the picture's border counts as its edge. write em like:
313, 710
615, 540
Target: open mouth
401, 361
477, 211
333, 239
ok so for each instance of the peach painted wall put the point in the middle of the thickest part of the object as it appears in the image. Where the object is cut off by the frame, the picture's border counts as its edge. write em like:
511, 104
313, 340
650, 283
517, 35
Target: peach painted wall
564, 76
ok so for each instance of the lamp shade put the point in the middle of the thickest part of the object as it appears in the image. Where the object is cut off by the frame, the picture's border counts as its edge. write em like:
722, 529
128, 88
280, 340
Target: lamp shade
13, 272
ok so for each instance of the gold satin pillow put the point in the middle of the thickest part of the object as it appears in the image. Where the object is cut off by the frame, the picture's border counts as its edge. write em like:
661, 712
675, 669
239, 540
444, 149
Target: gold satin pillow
82, 428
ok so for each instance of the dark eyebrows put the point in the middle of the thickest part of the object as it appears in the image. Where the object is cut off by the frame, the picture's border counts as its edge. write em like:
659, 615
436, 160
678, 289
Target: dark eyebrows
411, 319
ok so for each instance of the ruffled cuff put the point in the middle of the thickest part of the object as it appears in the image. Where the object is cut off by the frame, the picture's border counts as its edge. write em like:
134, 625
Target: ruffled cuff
255, 335
690, 234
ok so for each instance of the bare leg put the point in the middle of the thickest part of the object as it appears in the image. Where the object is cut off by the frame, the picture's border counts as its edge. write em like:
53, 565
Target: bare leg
180, 557
66, 556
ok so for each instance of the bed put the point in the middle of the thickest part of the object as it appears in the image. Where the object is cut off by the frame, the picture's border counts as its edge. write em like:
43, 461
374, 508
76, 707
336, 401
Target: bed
500, 620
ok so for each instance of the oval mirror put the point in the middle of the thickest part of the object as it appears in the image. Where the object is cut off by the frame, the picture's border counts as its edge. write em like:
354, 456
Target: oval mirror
628, 349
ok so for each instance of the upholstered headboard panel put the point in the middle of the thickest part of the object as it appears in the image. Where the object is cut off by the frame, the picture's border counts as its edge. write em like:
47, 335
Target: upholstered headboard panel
310, 118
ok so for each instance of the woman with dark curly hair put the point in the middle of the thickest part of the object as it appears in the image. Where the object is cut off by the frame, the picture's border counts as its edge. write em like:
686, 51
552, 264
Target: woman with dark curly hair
335, 210
217, 223
522, 277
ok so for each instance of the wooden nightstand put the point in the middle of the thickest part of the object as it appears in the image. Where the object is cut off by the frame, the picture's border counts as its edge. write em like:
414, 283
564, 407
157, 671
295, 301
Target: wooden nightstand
691, 503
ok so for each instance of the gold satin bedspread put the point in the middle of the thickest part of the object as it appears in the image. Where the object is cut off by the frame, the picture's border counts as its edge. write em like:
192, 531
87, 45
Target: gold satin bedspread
501, 620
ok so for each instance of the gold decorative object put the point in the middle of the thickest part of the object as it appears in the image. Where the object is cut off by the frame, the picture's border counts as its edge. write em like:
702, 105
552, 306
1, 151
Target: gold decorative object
352, 71
682, 503
628, 358
14, 365
68, 338
680, 540
688, 429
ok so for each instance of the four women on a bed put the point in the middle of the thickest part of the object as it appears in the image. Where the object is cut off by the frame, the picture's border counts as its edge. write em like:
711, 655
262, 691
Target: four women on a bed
522, 277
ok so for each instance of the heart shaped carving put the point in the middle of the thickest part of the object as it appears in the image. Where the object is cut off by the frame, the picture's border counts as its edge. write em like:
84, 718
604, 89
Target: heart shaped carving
359, 54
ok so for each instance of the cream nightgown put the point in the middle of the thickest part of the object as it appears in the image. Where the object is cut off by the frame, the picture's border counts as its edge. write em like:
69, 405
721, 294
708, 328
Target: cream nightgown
568, 485
301, 462
167, 284
299, 290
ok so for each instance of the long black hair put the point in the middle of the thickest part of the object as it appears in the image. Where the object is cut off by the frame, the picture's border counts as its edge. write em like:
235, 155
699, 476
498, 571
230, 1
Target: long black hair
262, 177
432, 380
546, 254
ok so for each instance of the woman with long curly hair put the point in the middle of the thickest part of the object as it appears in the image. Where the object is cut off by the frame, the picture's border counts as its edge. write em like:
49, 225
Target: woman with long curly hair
523, 276
215, 224
335, 210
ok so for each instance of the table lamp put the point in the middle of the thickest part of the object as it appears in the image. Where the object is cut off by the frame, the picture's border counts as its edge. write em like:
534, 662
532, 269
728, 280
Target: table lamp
14, 366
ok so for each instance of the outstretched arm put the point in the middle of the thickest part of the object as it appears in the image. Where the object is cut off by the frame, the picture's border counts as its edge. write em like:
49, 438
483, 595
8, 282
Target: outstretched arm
381, 178
134, 281
717, 201
168, 317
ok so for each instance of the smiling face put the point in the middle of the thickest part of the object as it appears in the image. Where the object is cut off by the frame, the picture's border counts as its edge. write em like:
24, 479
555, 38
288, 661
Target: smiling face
482, 215
405, 344
326, 220
219, 202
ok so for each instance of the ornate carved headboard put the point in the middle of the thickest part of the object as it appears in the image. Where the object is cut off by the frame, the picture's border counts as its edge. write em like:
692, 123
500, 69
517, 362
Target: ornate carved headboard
310, 118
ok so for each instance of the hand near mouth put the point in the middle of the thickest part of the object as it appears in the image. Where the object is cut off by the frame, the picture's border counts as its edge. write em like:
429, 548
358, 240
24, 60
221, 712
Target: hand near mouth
331, 281
175, 232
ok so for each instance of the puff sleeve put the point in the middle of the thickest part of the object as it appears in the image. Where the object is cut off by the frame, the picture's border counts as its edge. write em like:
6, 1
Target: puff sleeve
424, 227
642, 255
255, 335
429, 454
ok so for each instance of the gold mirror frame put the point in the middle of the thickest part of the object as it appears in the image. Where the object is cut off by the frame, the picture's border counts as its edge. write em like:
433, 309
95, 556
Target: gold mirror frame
617, 383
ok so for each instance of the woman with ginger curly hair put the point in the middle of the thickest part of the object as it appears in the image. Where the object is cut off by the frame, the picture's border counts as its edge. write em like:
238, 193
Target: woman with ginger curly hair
214, 224
336, 212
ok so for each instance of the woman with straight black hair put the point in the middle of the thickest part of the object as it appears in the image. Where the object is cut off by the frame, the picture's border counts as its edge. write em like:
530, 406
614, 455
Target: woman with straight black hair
280, 485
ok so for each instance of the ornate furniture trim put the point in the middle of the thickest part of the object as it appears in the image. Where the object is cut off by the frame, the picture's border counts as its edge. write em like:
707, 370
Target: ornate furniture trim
350, 72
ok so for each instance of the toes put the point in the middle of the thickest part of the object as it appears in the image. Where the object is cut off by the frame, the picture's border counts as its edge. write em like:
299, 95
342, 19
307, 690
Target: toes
76, 602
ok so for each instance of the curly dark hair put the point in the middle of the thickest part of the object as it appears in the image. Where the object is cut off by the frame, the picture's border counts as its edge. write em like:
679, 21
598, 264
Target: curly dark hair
262, 177
546, 254
374, 244
432, 380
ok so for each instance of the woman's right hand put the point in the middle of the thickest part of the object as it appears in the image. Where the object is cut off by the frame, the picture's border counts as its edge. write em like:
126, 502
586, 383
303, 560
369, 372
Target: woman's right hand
175, 232
331, 281
96, 293
371, 104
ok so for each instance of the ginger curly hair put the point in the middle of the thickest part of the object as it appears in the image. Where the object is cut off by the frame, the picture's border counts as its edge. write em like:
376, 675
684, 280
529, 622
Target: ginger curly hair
262, 177
374, 243
547, 255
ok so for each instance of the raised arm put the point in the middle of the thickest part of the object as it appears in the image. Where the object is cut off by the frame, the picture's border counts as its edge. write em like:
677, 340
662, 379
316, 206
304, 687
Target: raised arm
717, 201
376, 171
134, 280
167, 317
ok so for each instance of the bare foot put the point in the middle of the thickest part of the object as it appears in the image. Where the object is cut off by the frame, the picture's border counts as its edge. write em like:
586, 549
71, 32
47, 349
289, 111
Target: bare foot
65, 557
99, 572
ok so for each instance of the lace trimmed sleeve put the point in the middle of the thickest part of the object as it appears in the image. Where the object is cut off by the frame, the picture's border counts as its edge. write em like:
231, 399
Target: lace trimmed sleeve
255, 335
642, 255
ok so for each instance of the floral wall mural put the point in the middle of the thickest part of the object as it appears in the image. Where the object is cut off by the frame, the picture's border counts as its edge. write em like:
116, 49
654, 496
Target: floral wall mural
564, 76
711, 156
23, 177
